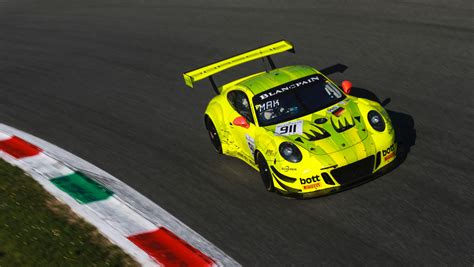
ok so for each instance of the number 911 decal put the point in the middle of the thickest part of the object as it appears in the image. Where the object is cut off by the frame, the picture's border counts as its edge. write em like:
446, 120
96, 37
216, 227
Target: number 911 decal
289, 128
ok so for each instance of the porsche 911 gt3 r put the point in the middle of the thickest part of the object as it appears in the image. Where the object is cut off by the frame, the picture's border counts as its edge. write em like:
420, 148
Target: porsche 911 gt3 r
304, 134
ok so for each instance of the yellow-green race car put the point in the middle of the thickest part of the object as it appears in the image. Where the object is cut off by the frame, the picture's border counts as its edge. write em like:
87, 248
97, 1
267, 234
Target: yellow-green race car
305, 135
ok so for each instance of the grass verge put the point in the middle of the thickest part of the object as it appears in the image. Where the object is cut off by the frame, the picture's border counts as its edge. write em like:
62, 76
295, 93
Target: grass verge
38, 230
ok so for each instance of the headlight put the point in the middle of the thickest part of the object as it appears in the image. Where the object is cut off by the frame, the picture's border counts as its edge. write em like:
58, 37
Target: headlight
376, 120
290, 152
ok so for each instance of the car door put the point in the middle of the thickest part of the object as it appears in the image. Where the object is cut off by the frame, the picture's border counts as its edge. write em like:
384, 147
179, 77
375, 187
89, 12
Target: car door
242, 125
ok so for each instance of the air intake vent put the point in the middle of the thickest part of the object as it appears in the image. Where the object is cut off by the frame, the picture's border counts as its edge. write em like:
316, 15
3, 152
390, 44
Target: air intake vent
327, 179
377, 160
354, 171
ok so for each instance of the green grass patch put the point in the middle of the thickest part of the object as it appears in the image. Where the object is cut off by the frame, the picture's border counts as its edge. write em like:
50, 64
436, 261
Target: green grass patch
38, 230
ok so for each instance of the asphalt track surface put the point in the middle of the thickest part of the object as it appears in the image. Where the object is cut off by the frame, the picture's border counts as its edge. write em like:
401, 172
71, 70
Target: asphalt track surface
102, 79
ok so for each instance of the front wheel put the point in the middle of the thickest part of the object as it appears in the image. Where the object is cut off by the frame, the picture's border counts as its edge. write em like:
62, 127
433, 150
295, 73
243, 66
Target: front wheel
265, 173
215, 140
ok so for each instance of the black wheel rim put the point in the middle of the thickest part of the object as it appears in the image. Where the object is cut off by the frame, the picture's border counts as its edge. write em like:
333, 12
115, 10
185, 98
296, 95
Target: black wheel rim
265, 173
216, 142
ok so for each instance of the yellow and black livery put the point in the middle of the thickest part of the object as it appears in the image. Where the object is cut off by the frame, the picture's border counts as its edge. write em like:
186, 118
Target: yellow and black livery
305, 135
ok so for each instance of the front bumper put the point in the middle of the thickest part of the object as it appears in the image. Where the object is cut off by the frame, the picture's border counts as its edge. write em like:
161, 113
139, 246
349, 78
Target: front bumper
348, 176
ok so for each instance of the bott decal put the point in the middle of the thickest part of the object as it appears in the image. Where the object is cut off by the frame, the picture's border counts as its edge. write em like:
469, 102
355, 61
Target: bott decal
389, 152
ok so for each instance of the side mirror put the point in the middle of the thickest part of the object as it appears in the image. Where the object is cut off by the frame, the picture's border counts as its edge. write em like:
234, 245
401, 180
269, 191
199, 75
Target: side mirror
346, 86
242, 122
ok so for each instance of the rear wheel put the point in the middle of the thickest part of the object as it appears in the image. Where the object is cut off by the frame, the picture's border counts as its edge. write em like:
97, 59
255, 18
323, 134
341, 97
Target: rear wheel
265, 172
215, 140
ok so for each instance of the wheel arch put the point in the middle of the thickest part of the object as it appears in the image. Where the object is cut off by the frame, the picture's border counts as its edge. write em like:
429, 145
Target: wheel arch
255, 155
215, 112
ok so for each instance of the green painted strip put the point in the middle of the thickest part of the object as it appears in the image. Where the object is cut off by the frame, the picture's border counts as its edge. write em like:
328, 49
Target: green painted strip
82, 188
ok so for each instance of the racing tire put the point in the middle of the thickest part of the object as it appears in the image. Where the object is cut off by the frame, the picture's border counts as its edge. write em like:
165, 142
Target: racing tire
213, 135
265, 172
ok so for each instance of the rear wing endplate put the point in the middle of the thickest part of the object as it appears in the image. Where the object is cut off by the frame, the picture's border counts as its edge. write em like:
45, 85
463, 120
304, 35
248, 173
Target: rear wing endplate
193, 76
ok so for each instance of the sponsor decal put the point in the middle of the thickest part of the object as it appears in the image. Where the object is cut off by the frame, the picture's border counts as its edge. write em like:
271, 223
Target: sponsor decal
336, 110
312, 186
290, 86
289, 128
332, 91
333, 108
308, 181
268, 105
288, 168
250, 143
270, 152
389, 156
389, 152
343, 102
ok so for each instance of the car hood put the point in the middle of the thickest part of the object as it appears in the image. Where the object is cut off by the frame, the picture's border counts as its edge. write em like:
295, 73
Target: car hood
335, 128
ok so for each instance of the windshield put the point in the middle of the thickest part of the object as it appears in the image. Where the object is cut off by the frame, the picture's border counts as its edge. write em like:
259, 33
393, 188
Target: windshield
295, 99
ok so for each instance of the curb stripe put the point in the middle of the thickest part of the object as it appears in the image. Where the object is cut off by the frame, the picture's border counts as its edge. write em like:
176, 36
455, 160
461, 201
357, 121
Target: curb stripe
4, 136
46, 166
19, 148
82, 188
122, 214
121, 217
169, 249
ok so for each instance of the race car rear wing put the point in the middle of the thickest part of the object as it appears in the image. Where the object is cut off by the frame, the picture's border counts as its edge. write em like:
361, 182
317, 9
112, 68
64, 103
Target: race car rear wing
266, 51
